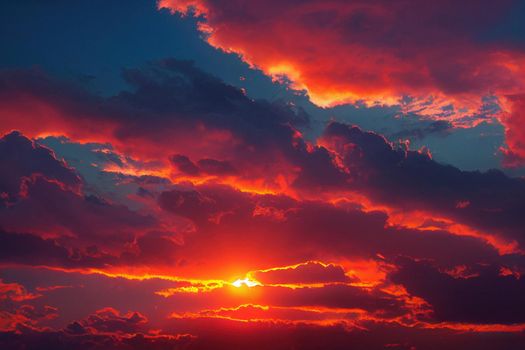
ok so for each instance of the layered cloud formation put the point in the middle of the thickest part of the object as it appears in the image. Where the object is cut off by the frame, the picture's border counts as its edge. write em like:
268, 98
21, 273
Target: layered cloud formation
350, 232
446, 57
180, 213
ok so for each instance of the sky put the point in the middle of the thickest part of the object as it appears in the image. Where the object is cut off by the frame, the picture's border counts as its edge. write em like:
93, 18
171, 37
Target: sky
210, 174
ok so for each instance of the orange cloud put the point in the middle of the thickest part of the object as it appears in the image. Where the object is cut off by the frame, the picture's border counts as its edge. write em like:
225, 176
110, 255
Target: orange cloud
440, 54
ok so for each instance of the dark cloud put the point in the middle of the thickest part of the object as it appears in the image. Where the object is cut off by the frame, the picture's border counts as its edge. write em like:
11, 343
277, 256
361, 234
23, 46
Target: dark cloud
209, 128
336, 296
411, 180
47, 220
219, 210
28, 249
164, 98
57, 211
224, 334
189, 95
188, 203
20, 157
485, 297
52, 223
438, 127
258, 230
356, 50
329, 296
153, 248
167, 103
204, 166
59, 340
184, 164
109, 320
308, 273
170, 105
444, 59
104, 329
44, 196
218, 334
216, 167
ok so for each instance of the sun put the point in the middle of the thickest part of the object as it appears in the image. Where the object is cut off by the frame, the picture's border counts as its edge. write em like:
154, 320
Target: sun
245, 282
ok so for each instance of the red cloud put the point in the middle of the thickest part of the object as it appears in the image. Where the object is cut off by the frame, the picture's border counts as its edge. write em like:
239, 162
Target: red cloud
348, 51
171, 105
14, 292
13, 314
311, 272
109, 320
342, 50
514, 121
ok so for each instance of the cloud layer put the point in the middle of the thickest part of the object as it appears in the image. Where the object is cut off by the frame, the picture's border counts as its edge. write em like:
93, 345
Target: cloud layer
181, 213
448, 57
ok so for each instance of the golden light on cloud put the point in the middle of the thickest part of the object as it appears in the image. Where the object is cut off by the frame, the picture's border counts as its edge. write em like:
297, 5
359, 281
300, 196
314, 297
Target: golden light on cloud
245, 282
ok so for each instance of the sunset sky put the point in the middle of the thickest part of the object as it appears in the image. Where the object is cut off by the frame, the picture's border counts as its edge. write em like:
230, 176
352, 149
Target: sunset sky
249, 174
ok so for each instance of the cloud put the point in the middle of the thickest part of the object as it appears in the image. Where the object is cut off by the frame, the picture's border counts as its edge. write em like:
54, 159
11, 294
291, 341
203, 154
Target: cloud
204, 166
411, 180
303, 195
514, 153
192, 185
166, 99
48, 220
21, 157
201, 317
14, 292
15, 313
226, 334
216, 167
336, 296
358, 50
109, 320
63, 340
28, 249
449, 55
58, 212
439, 127
311, 272
184, 164
270, 313
218, 334
12, 319
257, 230
105, 328
485, 297
169, 105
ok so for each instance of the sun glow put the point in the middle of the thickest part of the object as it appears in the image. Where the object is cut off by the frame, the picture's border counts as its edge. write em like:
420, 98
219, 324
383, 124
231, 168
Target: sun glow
245, 282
